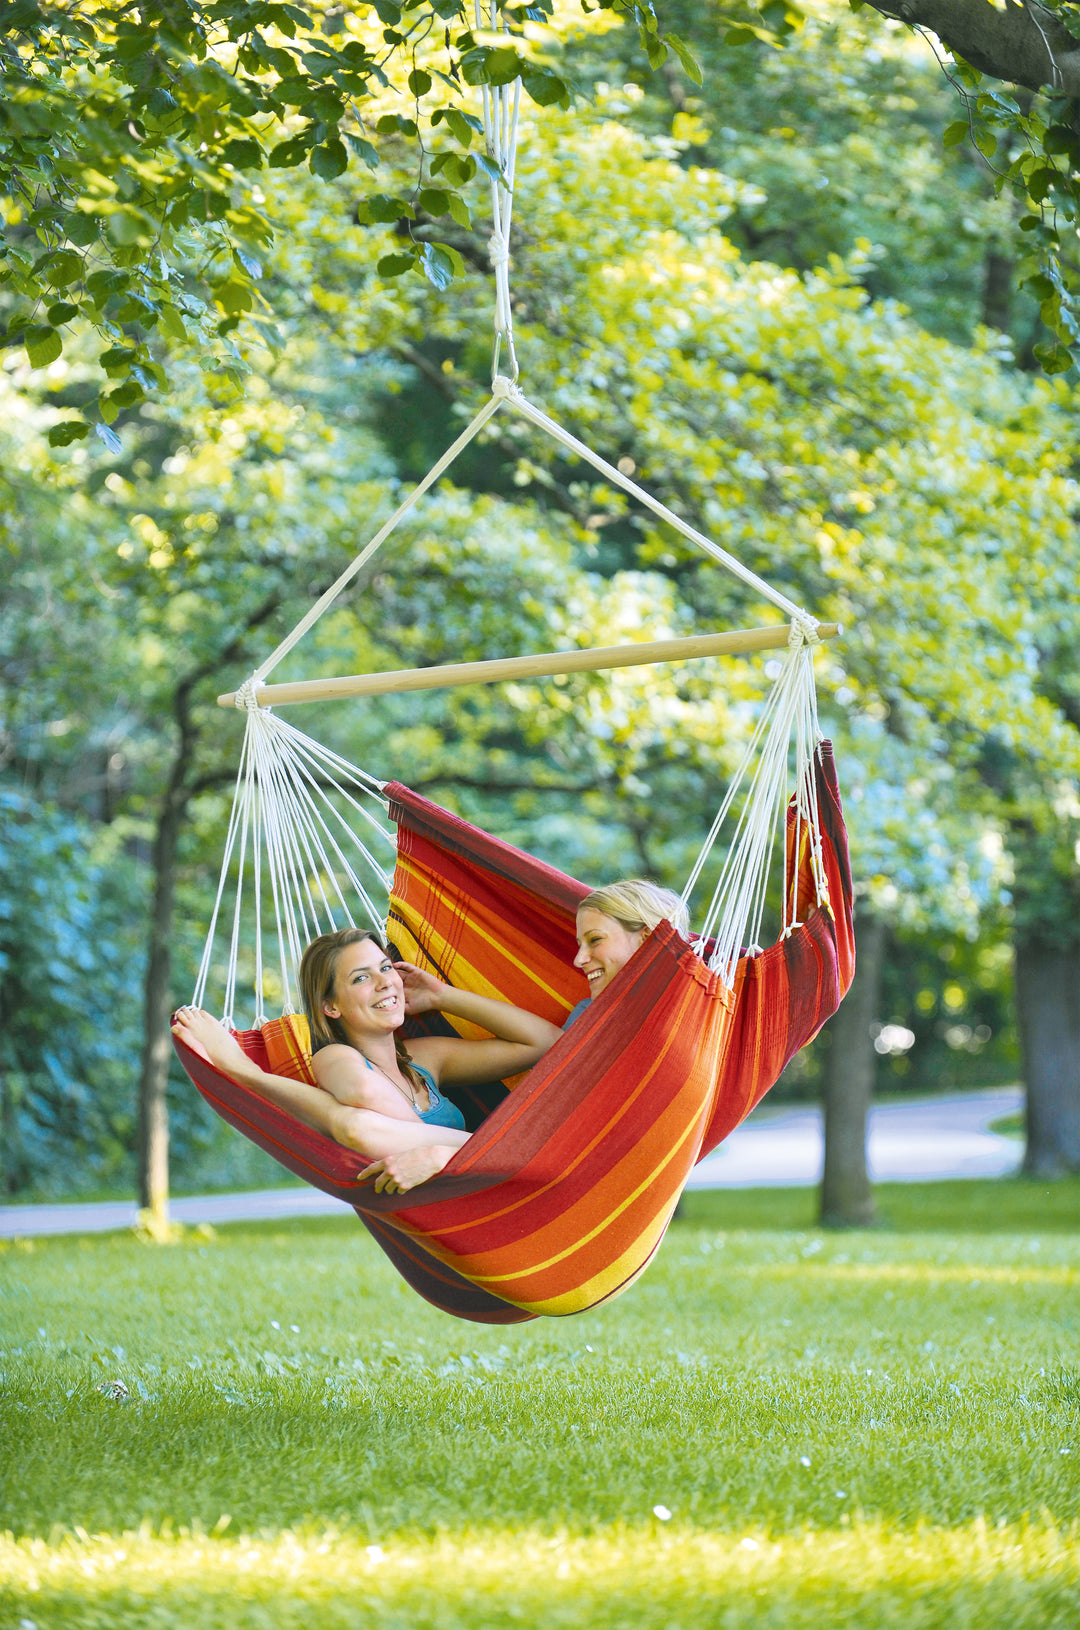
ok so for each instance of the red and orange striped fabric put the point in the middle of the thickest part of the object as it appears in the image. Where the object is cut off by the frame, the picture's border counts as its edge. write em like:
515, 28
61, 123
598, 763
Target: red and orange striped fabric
561, 1197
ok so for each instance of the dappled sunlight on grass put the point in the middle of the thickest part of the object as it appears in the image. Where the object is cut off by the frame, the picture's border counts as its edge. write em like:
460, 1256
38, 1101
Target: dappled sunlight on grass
1016, 1576
927, 1273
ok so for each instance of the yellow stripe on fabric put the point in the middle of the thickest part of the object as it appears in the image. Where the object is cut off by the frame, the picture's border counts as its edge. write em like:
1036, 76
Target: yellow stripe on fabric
626, 1105
616, 1278
584, 1239
482, 933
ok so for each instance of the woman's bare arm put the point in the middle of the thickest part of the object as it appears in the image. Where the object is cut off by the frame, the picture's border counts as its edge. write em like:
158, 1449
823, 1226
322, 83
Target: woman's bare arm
521, 1037
366, 1130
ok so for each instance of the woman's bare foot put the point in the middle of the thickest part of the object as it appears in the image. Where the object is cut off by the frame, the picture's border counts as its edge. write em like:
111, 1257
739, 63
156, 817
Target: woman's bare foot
208, 1036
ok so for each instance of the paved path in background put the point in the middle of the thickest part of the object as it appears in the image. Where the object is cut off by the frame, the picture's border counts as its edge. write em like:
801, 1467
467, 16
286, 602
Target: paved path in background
915, 1142
775, 1148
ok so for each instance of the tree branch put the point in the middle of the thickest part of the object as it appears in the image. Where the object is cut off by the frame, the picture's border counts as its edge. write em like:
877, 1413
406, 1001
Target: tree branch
1021, 44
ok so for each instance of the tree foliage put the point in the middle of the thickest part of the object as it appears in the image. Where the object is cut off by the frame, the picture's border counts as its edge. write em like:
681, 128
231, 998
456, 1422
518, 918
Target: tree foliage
919, 491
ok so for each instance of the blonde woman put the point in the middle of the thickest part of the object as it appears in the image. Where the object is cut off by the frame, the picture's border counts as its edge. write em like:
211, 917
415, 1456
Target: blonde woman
613, 923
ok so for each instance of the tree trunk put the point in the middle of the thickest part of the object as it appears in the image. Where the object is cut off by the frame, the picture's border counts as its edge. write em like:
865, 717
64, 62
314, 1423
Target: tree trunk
847, 1200
997, 290
157, 1007
1048, 1011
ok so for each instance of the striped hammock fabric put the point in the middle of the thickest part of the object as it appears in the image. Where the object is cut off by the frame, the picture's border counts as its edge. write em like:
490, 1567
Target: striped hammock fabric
560, 1198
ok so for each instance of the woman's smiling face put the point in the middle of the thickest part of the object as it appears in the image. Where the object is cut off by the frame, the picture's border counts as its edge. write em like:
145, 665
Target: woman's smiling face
604, 946
368, 994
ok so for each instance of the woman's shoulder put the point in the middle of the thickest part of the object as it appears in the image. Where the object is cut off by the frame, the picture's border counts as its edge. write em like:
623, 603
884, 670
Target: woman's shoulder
334, 1057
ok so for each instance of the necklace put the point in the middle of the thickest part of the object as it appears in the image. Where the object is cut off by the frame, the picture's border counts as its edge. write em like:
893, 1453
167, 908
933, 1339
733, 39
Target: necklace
409, 1097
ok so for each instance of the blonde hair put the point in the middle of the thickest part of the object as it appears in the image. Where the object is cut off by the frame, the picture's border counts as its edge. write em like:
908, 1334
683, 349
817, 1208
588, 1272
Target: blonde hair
318, 974
637, 904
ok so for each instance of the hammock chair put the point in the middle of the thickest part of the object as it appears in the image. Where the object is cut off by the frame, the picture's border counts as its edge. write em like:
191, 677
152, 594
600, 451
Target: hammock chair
562, 1194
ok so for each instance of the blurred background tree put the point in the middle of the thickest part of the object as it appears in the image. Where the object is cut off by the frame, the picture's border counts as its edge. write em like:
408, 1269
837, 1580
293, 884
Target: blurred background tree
817, 387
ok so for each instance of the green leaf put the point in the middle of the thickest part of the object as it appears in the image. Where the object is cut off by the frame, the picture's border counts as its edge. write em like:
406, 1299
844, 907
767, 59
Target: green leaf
1053, 358
740, 36
440, 264
955, 133
387, 12
43, 345
457, 170
490, 168
691, 65
329, 160
394, 265
434, 200
501, 66
233, 297
161, 103
1028, 223
243, 155
363, 150
391, 123
128, 394
380, 206
109, 437
986, 142
62, 312
81, 229
172, 325
459, 210
117, 361
1059, 139
419, 82
288, 153
67, 431
63, 269
463, 125
545, 88
1040, 181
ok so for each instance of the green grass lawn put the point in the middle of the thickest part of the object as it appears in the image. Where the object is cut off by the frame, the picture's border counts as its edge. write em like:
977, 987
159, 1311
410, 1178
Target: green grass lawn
860, 1430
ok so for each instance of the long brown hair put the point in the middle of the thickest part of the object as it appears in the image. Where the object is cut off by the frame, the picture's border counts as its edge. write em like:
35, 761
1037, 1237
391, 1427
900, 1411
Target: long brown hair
318, 974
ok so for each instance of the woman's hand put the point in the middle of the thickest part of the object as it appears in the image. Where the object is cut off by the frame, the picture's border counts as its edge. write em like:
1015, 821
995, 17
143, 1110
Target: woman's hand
423, 992
396, 1174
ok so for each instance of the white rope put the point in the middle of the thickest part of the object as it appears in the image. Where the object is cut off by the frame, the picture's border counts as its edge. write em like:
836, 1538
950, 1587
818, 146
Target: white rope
504, 389
326, 600
501, 105
734, 916
302, 846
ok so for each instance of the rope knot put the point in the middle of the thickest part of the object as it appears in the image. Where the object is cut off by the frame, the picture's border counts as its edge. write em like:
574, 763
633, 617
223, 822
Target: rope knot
803, 631
245, 695
498, 252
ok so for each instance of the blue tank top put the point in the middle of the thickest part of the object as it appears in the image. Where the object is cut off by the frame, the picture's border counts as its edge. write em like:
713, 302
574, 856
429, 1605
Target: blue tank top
441, 1111
576, 1012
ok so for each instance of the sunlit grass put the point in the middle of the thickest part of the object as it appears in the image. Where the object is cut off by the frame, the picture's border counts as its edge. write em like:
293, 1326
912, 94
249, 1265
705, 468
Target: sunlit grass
869, 1429
1027, 1577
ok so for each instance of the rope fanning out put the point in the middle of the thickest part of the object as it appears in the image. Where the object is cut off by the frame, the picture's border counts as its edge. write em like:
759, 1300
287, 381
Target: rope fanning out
305, 859
287, 814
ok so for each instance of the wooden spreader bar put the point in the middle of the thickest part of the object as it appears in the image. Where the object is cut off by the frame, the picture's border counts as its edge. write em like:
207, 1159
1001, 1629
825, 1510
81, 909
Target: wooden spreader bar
530, 667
